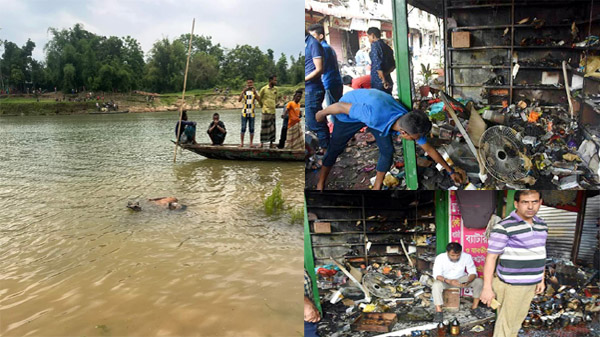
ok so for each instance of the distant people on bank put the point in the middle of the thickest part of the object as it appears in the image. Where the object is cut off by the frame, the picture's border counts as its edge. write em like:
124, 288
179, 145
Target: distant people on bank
295, 136
268, 101
249, 96
382, 62
383, 115
332, 80
170, 203
216, 130
449, 272
188, 130
314, 90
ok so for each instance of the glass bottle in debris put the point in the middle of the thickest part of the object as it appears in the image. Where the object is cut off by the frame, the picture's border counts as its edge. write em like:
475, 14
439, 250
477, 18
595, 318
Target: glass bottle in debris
455, 328
441, 329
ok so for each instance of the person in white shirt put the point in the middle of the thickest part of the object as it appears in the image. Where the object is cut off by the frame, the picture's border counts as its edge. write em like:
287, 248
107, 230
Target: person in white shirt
449, 272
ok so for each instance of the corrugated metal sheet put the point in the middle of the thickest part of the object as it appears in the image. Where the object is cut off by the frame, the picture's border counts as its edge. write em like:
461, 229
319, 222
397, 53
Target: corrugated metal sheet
561, 231
589, 242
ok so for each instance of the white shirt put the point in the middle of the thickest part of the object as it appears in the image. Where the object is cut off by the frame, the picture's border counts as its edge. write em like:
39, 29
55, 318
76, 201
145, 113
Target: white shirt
453, 270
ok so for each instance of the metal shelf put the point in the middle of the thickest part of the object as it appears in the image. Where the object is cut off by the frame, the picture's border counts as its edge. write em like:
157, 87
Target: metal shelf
477, 66
455, 29
480, 48
479, 6
537, 87
550, 47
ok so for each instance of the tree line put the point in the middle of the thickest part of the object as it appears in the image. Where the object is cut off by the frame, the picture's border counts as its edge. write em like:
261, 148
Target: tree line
76, 59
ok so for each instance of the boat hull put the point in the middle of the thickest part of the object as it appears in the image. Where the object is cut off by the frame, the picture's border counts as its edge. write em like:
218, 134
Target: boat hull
234, 152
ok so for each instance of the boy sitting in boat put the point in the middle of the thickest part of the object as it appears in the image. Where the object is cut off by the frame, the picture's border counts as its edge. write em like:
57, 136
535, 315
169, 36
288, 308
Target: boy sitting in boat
216, 130
295, 138
188, 131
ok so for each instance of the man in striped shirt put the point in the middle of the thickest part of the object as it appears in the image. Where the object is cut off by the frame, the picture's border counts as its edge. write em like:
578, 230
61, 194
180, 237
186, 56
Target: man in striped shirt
518, 242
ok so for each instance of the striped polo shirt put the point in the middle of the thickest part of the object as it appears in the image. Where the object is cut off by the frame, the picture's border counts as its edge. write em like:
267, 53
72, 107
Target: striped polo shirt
522, 249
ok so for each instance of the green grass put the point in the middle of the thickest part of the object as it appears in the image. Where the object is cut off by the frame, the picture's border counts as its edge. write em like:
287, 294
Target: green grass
274, 202
18, 100
297, 215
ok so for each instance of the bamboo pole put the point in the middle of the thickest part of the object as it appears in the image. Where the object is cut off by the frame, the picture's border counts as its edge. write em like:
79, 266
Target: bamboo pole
187, 65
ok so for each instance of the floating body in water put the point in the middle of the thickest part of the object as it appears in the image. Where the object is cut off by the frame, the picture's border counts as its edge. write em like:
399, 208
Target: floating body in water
170, 203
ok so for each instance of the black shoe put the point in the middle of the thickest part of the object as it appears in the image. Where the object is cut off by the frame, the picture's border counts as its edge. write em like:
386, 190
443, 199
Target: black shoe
438, 317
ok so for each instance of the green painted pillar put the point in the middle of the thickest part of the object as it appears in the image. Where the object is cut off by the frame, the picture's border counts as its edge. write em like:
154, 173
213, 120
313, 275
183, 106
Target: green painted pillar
510, 202
403, 80
442, 216
309, 260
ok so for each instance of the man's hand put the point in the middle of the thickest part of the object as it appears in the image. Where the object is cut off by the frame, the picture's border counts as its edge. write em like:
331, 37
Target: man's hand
454, 283
321, 116
457, 178
311, 314
487, 295
539, 288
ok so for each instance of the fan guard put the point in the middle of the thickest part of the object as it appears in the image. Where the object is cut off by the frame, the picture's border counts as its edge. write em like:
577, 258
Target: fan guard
499, 150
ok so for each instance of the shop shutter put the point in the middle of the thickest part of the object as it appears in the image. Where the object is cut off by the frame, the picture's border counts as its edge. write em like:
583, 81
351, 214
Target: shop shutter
589, 242
561, 231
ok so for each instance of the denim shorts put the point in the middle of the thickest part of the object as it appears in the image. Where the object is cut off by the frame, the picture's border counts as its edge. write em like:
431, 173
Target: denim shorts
249, 120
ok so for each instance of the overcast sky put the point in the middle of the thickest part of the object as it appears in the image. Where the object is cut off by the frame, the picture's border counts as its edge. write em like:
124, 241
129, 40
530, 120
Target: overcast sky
275, 24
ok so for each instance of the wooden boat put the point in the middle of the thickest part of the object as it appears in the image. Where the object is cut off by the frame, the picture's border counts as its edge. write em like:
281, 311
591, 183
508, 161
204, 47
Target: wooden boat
234, 152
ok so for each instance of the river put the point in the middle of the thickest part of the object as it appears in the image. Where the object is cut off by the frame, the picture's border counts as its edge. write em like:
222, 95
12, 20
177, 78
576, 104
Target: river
74, 261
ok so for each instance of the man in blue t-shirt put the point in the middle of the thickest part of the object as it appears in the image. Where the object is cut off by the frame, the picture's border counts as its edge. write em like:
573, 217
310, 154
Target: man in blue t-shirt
383, 115
314, 90
382, 62
332, 80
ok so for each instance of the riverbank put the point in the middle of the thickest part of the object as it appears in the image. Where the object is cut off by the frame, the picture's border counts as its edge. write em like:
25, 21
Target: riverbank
70, 104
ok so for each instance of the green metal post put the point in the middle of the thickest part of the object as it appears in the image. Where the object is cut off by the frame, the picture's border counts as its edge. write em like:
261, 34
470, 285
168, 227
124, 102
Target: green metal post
403, 83
441, 221
510, 201
309, 260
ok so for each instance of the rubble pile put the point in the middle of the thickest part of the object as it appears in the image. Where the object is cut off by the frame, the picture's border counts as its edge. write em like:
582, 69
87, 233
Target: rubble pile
392, 288
571, 302
571, 297
555, 151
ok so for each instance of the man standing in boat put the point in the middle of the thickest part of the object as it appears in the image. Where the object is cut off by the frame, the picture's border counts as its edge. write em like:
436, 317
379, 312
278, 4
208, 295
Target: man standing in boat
268, 100
216, 130
249, 95
295, 136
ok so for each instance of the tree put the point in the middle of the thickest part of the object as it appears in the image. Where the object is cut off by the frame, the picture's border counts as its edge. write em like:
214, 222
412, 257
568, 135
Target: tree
166, 65
282, 70
68, 77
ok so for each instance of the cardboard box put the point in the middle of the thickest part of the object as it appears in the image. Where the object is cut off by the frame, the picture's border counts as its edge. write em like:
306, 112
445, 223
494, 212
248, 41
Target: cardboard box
322, 227
375, 321
451, 298
461, 39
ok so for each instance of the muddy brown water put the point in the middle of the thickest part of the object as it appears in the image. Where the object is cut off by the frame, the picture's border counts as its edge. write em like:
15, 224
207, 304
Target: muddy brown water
74, 261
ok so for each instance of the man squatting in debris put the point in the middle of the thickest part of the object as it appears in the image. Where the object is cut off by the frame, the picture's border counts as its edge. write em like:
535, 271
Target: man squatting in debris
382, 114
519, 243
449, 272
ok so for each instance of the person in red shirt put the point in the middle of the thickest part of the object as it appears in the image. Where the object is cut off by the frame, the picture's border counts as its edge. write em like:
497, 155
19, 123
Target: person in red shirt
363, 82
